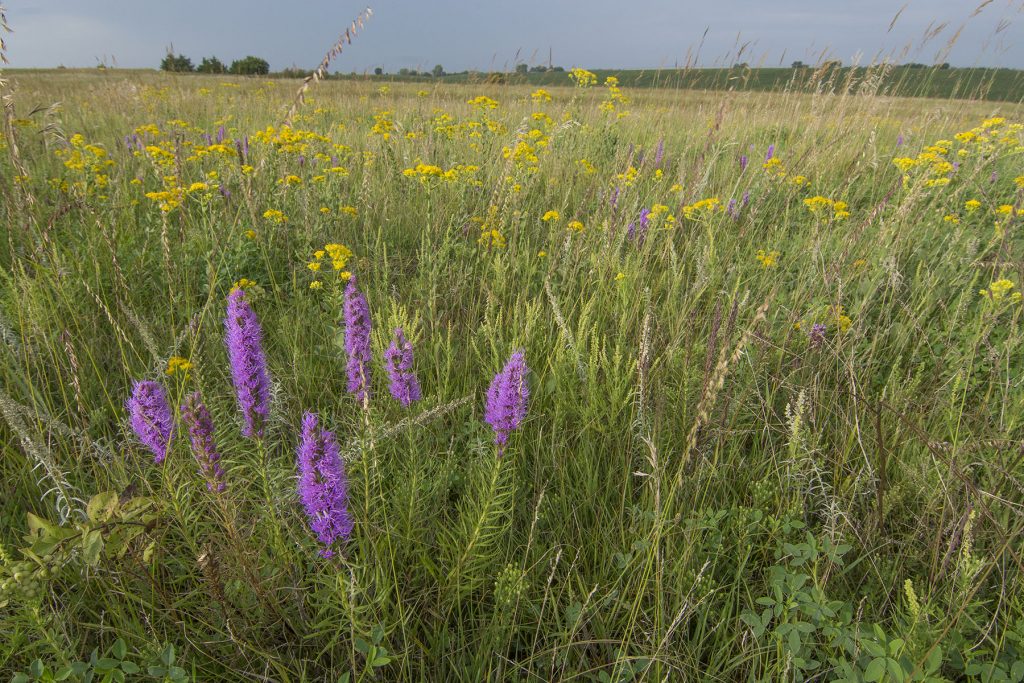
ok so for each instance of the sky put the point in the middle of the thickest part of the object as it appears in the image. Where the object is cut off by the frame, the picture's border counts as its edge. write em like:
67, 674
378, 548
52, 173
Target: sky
493, 35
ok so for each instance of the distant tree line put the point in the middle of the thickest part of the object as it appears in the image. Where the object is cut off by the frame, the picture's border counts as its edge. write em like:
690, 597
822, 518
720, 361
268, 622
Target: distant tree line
248, 66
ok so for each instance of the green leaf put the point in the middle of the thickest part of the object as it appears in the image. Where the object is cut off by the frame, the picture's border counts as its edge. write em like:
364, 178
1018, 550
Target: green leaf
362, 645
20, 678
167, 655
875, 670
92, 546
130, 667
380, 660
101, 507
345, 677
119, 649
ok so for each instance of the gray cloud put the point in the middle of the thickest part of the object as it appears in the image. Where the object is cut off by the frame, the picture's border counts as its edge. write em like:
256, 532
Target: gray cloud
485, 34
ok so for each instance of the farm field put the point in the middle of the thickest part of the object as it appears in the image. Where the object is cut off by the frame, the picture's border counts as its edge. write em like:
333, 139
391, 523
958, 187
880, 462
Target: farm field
508, 382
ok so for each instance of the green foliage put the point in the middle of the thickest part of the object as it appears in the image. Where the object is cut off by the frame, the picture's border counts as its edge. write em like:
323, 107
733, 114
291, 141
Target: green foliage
176, 63
250, 66
211, 65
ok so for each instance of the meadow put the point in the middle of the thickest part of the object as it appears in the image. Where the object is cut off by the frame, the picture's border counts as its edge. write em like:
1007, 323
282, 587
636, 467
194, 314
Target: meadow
690, 385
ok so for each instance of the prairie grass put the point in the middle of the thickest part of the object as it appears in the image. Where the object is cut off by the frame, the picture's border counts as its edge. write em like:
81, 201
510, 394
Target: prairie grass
702, 488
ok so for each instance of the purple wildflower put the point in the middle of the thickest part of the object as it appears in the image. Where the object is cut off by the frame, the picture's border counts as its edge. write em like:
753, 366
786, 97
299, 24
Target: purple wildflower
746, 197
614, 198
731, 209
221, 135
743, 162
207, 139
770, 154
204, 447
323, 487
993, 178
899, 140
638, 229
817, 335
506, 400
357, 341
151, 417
405, 388
244, 338
243, 149
659, 152
225, 192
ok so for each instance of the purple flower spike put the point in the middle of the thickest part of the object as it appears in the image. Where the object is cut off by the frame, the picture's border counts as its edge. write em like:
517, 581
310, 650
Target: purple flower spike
151, 417
323, 487
244, 338
506, 400
659, 153
817, 335
743, 162
405, 388
732, 210
638, 229
357, 341
221, 135
770, 154
204, 447
899, 140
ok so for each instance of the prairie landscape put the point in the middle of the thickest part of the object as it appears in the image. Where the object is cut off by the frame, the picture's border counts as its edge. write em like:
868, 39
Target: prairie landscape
492, 381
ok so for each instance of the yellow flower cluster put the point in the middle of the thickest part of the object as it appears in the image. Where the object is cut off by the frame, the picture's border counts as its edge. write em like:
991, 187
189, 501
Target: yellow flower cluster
1001, 290
582, 77
575, 226
338, 255
820, 206
768, 259
244, 283
615, 99
704, 207
540, 95
427, 173
275, 216
550, 216
178, 365
483, 102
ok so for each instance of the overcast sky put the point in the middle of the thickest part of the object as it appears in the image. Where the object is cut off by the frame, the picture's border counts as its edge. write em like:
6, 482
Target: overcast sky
486, 34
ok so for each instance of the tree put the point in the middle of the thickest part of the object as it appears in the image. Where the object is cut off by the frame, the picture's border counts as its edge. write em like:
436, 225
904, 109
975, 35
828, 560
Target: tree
522, 68
211, 65
173, 62
403, 71
438, 71
799, 65
250, 66
378, 71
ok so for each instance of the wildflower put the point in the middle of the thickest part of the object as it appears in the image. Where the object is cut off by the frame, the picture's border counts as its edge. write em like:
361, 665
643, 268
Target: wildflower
275, 216
357, 342
150, 417
244, 339
550, 216
323, 487
541, 95
575, 226
506, 399
582, 77
243, 283
620, 277
541, 253
768, 259
638, 228
972, 205
817, 335
250, 234
743, 162
204, 447
405, 388
998, 291
176, 364
316, 284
